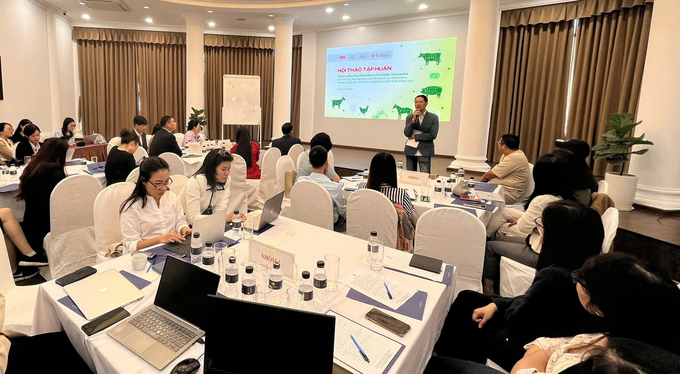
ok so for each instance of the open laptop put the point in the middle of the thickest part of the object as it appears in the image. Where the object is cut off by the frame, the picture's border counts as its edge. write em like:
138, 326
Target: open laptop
301, 342
211, 229
270, 212
163, 331
102, 293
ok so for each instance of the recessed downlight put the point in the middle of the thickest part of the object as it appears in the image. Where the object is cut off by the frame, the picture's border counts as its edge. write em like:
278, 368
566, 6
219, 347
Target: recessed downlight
146, 7
149, 20
210, 11
272, 28
211, 24
86, 16
422, 6
329, 10
345, 17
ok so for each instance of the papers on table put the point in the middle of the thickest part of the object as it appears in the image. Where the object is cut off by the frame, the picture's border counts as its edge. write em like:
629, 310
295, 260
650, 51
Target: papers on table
354, 178
372, 284
381, 351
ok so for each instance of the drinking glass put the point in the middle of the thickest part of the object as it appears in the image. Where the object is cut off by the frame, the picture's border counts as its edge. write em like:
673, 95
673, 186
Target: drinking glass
294, 298
247, 228
27, 159
93, 159
332, 271
262, 293
377, 255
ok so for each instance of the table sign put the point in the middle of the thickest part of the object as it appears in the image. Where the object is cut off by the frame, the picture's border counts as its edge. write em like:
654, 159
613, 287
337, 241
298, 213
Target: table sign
412, 177
264, 254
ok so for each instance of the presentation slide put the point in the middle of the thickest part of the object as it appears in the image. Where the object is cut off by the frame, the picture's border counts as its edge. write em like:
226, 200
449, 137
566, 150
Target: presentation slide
380, 81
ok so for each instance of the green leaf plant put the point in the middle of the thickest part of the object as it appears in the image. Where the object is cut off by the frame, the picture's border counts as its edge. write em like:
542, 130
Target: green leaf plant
616, 147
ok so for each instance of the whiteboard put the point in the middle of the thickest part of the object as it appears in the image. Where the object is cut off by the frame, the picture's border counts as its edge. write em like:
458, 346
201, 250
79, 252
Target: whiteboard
241, 100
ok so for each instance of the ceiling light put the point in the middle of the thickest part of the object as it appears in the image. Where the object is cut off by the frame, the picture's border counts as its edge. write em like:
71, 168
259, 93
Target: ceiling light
81, 3
422, 6
86, 16
149, 20
146, 7
272, 28
329, 10
210, 11
211, 24
345, 4
345, 17
271, 15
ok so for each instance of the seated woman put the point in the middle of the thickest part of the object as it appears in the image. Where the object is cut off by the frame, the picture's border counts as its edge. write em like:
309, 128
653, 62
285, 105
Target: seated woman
305, 170
120, 161
66, 131
152, 214
193, 133
38, 180
31, 145
382, 177
550, 308
19, 132
250, 151
6, 143
207, 191
577, 152
18, 248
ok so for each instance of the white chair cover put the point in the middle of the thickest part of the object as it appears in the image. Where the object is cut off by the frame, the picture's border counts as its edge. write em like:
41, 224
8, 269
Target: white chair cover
299, 160
70, 244
369, 210
178, 182
109, 147
254, 193
603, 187
180, 139
238, 199
149, 138
610, 220
457, 238
283, 164
14, 150
516, 278
140, 153
115, 141
268, 176
175, 162
133, 176
107, 218
312, 204
294, 152
331, 160
19, 301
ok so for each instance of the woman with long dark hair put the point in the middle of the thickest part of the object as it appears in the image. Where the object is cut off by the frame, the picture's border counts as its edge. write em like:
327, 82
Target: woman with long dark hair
382, 177
152, 214
19, 131
39, 178
66, 131
193, 133
250, 151
30, 145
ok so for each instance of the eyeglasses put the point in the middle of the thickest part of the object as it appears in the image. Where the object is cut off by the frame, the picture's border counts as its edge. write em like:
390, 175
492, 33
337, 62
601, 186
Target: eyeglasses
161, 185
500, 143
538, 223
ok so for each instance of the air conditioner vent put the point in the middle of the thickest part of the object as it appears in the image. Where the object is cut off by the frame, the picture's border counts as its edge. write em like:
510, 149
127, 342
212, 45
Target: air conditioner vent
107, 5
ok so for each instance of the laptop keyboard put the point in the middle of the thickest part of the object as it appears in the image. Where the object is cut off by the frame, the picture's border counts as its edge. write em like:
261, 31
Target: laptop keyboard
183, 248
163, 329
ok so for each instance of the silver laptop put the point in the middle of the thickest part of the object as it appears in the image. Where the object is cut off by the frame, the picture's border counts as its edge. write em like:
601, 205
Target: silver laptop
270, 212
90, 139
211, 229
102, 293
163, 331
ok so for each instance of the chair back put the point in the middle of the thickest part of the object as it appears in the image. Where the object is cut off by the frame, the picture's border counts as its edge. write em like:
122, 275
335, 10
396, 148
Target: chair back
6, 278
180, 139
610, 221
369, 210
299, 160
457, 238
14, 149
603, 187
140, 153
109, 147
178, 182
149, 138
516, 278
294, 152
133, 176
331, 160
268, 176
238, 199
175, 162
115, 141
283, 164
107, 218
529, 189
312, 204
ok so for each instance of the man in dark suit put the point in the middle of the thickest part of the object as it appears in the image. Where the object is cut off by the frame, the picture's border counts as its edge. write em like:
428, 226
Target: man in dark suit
140, 124
286, 141
163, 140
421, 129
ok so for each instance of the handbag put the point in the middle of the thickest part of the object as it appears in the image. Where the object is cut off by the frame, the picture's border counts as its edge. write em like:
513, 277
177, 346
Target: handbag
460, 189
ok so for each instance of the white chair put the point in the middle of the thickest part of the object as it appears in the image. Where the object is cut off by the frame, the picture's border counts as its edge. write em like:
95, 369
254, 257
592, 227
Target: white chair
178, 182
70, 244
14, 150
299, 160
610, 220
115, 141
294, 152
109, 147
133, 176
312, 204
149, 138
457, 238
19, 301
238, 198
106, 216
180, 139
140, 153
369, 210
603, 187
516, 278
528, 190
175, 162
331, 160
283, 164
268, 176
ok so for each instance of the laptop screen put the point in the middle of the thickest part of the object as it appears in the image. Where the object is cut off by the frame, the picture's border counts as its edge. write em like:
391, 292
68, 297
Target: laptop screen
183, 288
261, 338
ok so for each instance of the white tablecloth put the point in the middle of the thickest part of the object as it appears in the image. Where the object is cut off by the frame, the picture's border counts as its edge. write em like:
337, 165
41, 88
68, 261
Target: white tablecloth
309, 244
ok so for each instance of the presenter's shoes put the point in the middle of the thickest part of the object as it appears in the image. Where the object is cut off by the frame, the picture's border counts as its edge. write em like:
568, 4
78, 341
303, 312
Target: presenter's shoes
38, 259
25, 272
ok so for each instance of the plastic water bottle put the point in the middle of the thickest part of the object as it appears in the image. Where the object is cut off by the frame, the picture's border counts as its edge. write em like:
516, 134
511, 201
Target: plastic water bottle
276, 281
196, 248
208, 256
400, 167
438, 189
371, 239
461, 173
307, 291
248, 285
236, 223
13, 174
448, 188
471, 187
231, 277
320, 282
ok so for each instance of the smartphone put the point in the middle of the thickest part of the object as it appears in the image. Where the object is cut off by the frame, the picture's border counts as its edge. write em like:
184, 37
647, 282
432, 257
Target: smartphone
77, 275
105, 320
387, 321
150, 255
476, 206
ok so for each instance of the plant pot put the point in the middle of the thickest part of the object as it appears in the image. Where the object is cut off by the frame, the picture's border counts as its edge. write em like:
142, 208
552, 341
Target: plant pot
622, 190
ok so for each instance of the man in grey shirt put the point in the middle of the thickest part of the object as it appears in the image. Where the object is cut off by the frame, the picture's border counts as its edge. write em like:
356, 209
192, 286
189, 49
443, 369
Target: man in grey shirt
305, 170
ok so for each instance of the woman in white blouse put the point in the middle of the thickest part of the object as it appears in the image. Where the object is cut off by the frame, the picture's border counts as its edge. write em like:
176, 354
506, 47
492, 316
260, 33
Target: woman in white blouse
207, 191
152, 214
193, 133
66, 131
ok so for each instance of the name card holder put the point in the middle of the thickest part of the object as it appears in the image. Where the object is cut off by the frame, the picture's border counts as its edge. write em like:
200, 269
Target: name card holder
261, 253
412, 177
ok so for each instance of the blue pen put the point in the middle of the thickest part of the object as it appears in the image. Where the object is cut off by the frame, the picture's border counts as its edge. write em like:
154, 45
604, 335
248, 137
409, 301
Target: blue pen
363, 354
153, 260
388, 291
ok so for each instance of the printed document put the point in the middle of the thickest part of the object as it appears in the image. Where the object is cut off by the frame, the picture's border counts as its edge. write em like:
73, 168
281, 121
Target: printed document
372, 284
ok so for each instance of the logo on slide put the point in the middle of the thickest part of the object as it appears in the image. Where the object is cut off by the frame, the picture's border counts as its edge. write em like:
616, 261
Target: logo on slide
337, 103
434, 57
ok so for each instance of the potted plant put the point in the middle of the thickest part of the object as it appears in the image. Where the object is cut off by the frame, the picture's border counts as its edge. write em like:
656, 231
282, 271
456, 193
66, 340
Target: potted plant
198, 116
616, 150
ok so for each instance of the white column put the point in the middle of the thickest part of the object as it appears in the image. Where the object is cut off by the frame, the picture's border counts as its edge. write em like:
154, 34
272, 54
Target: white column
480, 67
659, 108
307, 84
53, 59
283, 64
195, 69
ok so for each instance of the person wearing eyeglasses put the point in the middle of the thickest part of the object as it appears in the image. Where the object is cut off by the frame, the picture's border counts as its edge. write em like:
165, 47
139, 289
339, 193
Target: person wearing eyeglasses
512, 172
207, 191
152, 214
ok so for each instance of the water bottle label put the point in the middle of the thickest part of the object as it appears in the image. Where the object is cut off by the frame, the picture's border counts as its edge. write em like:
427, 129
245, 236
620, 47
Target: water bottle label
307, 296
437, 189
208, 260
231, 278
376, 249
196, 251
247, 290
368, 248
276, 285
236, 225
320, 283
448, 189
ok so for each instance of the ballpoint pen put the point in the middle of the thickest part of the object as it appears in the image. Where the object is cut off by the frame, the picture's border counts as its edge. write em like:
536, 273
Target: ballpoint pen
389, 294
153, 261
363, 354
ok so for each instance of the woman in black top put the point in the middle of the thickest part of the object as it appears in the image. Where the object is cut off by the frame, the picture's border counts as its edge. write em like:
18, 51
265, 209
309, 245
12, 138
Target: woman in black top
38, 180
120, 161
19, 132
29, 145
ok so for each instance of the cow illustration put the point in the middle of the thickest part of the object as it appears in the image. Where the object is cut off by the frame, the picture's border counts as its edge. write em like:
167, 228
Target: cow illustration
401, 110
427, 57
337, 103
363, 110
432, 90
